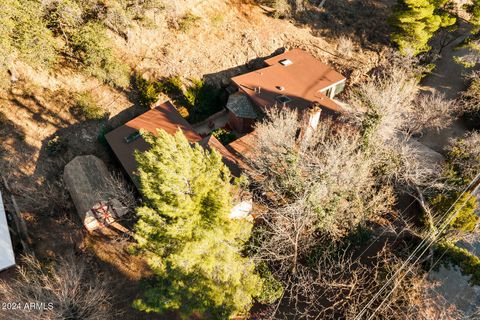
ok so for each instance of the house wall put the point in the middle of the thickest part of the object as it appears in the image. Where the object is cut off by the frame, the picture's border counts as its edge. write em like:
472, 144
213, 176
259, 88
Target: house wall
310, 122
241, 125
334, 89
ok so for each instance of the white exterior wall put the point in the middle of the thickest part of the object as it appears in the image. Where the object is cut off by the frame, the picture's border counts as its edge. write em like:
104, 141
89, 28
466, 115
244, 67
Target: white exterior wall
7, 257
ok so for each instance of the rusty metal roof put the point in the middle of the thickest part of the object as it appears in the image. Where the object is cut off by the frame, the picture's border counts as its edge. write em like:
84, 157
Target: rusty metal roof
165, 117
230, 160
241, 149
301, 79
125, 140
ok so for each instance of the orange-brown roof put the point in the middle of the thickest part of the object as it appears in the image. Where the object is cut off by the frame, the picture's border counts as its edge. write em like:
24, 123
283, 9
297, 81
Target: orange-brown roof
165, 117
241, 149
301, 81
230, 160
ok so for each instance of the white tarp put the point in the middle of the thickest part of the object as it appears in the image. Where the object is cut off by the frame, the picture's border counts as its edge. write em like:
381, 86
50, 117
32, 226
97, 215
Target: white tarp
7, 257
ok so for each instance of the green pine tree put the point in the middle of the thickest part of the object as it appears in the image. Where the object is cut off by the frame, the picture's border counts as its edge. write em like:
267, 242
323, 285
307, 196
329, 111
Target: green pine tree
474, 9
185, 231
415, 22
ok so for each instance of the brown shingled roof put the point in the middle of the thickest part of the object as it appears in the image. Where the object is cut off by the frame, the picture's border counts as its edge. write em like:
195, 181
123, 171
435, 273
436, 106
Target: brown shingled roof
302, 81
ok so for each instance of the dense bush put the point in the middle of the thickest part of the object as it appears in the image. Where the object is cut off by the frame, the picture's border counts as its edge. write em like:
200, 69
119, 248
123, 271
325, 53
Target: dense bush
38, 32
92, 48
463, 159
203, 100
471, 102
223, 135
87, 108
147, 91
196, 101
150, 90
468, 263
24, 34
272, 288
171, 86
464, 209
462, 165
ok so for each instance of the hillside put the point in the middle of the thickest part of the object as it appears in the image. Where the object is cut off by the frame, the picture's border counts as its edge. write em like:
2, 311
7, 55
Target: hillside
49, 114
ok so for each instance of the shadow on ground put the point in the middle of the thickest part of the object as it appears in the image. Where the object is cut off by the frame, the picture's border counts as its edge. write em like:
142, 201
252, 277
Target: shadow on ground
363, 20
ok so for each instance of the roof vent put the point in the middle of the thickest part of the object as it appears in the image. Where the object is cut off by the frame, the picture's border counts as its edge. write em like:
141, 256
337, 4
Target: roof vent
286, 62
280, 88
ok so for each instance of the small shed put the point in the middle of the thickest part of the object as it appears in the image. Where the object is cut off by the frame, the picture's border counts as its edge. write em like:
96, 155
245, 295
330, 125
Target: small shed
7, 256
88, 181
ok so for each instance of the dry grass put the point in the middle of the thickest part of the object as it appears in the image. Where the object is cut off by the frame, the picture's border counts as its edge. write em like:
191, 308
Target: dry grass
62, 291
37, 107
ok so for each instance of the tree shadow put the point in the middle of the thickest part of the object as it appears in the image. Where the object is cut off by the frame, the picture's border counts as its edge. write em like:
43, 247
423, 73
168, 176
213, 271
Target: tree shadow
365, 21
222, 78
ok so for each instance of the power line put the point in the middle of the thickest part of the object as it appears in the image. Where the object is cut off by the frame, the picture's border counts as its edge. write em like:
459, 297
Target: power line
419, 247
385, 230
416, 261
434, 234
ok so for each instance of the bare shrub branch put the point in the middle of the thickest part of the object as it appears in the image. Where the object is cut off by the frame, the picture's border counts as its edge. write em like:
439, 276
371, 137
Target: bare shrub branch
73, 293
117, 188
337, 286
431, 111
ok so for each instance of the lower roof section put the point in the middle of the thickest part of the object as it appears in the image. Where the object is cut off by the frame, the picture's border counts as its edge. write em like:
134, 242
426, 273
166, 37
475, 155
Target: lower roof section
125, 140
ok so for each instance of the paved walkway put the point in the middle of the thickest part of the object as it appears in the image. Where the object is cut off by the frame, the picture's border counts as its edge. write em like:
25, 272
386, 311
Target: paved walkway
205, 127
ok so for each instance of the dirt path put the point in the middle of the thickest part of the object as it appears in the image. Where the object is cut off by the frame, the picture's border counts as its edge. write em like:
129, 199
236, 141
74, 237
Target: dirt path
447, 78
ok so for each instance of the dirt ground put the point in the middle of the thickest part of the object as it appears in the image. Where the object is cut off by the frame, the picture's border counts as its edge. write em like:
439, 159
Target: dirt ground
228, 40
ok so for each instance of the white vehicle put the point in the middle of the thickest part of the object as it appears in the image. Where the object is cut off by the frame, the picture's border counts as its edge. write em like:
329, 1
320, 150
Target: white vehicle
7, 257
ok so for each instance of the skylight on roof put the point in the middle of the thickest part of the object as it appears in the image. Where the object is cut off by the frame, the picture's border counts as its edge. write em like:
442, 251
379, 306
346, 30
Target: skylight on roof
132, 137
286, 62
283, 99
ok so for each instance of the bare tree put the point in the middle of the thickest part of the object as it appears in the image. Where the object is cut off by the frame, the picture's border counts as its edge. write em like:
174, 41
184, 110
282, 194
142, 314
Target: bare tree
288, 235
316, 189
431, 111
319, 188
337, 286
381, 104
64, 291
327, 173
388, 109
389, 104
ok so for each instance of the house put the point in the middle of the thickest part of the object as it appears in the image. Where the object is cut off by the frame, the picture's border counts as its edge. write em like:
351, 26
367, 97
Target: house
126, 139
7, 256
293, 79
